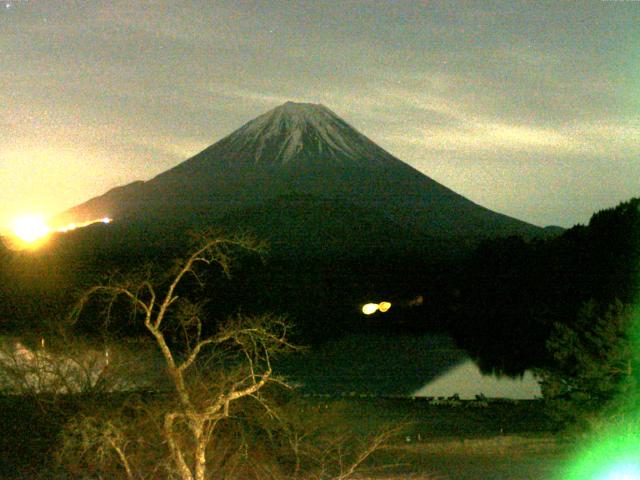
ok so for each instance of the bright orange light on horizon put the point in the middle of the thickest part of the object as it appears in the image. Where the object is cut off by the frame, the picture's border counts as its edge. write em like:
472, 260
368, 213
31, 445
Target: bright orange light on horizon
31, 230
75, 226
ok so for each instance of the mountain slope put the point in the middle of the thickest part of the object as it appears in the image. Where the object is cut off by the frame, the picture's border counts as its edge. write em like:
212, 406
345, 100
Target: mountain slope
299, 149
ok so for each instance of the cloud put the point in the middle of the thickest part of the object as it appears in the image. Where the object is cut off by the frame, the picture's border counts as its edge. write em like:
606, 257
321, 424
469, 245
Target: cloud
439, 119
441, 123
479, 136
612, 136
482, 135
172, 146
264, 98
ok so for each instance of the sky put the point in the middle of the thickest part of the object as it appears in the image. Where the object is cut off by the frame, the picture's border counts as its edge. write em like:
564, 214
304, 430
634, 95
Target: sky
527, 108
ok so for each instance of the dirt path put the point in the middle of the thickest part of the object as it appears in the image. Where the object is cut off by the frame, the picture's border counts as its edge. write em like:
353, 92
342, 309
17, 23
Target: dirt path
497, 458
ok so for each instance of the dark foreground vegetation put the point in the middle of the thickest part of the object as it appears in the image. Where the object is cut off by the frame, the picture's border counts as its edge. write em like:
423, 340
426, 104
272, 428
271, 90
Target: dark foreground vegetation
562, 305
34, 438
514, 291
499, 299
220, 409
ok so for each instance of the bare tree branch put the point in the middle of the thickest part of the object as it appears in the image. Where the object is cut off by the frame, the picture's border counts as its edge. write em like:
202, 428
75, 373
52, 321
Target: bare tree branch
252, 338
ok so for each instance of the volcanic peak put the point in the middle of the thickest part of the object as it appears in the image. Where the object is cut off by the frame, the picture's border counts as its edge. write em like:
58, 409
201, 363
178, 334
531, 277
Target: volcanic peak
292, 150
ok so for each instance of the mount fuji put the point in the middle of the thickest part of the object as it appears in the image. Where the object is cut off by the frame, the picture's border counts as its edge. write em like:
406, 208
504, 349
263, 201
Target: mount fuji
300, 173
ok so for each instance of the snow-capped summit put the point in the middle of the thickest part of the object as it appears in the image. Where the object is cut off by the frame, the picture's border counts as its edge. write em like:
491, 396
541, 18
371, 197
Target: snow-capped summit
299, 132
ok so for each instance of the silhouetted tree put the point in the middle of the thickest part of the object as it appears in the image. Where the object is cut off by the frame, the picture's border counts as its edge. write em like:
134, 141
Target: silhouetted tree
596, 365
513, 291
238, 360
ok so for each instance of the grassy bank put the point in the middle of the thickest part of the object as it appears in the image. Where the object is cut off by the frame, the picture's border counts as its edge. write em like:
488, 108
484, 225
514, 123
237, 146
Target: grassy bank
29, 433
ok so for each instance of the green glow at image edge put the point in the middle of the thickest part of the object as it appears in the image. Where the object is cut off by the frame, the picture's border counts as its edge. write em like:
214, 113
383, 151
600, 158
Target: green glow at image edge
615, 454
612, 458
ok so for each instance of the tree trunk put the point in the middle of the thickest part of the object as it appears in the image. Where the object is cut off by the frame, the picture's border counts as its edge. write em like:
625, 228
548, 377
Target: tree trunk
200, 453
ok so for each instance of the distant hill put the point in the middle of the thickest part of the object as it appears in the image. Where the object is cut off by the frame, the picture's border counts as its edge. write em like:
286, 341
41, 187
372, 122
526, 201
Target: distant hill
554, 230
511, 292
300, 173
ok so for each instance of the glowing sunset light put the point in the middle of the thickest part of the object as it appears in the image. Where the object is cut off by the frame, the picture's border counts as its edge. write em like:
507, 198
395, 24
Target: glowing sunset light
30, 228
74, 226
68, 228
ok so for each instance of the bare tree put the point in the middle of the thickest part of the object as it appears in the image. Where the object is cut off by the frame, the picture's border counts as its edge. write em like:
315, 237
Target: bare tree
185, 429
323, 445
60, 364
207, 373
